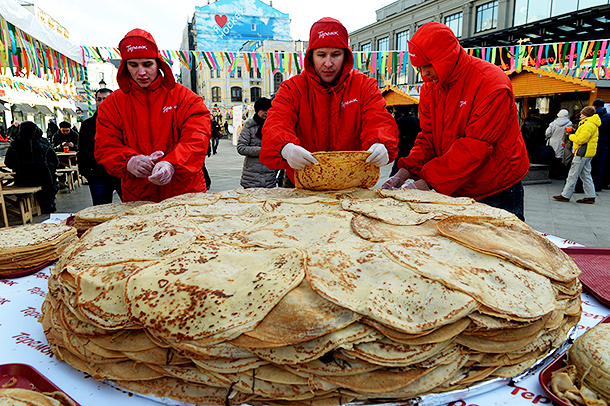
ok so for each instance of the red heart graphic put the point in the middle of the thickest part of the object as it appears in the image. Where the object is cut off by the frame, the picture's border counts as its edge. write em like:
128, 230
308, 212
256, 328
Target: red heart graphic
220, 20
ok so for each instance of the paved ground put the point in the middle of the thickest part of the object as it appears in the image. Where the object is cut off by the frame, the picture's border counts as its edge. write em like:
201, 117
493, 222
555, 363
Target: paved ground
586, 224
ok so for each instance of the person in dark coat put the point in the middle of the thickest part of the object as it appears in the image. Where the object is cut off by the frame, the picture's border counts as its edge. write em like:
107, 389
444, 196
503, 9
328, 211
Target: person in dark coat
65, 137
52, 128
13, 131
598, 162
254, 173
533, 130
101, 184
408, 128
215, 137
34, 162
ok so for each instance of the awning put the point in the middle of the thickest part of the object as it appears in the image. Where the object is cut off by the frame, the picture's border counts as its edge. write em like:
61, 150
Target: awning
2, 107
44, 110
25, 108
71, 111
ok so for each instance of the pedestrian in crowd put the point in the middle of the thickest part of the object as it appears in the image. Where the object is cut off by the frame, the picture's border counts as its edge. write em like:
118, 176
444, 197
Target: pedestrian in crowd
584, 147
327, 107
408, 128
227, 128
254, 173
66, 137
13, 131
470, 143
101, 184
215, 137
555, 133
152, 132
34, 162
533, 130
52, 128
598, 161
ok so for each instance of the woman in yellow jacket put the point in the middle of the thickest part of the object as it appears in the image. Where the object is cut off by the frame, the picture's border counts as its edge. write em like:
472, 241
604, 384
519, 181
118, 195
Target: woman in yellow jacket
585, 146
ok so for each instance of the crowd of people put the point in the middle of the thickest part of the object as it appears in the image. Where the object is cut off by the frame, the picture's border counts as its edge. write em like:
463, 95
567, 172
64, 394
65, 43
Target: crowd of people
149, 139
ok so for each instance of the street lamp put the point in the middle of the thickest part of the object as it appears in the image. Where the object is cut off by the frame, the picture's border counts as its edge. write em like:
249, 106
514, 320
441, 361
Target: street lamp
102, 83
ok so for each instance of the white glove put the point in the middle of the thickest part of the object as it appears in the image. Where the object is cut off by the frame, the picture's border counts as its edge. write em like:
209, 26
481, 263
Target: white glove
379, 155
140, 166
155, 156
298, 157
162, 173
415, 184
398, 180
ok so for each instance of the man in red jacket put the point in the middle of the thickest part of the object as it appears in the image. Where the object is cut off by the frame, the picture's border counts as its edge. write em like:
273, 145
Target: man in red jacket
470, 143
153, 132
328, 107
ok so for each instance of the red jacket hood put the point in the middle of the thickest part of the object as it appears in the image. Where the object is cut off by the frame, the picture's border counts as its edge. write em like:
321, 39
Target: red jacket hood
337, 39
435, 44
124, 78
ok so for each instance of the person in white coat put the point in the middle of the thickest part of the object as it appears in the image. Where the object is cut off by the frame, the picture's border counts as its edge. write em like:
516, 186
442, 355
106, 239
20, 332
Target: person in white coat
555, 133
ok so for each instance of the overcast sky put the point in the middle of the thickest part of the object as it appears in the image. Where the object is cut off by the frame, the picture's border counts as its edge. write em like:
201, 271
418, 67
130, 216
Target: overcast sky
100, 23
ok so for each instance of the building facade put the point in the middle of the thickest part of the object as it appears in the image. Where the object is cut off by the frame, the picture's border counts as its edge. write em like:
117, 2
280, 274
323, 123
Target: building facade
39, 71
482, 23
238, 27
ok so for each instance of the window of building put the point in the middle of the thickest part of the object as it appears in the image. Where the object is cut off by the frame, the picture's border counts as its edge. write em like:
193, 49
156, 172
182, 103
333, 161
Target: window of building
253, 26
254, 74
239, 71
236, 94
401, 40
232, 74
383, 44
528, 11
454, 21
277, 81
487, 16
216, 94
255, 94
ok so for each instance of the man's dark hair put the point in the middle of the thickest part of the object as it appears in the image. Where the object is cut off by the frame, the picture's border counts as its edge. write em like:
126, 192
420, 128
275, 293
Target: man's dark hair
65, 124
103, 90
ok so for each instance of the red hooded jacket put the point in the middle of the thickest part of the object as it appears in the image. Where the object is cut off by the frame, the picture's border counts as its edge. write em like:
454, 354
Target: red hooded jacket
165, 116
348, 116
470, 142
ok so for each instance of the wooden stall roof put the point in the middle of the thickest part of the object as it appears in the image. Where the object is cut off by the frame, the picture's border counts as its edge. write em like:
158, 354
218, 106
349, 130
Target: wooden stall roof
532, 82
394, 97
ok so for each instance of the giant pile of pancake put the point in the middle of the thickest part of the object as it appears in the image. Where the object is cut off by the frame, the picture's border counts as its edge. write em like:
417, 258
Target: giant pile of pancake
32, 245
287, 296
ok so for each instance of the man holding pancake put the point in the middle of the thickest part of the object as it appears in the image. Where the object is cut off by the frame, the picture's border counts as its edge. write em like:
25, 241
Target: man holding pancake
328, 107
153, 132
470, 143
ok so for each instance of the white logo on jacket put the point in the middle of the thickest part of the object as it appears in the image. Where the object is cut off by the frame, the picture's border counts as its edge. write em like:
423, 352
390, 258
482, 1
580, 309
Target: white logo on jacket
168, 108
348, 102
134, 47
323, 34
463, 103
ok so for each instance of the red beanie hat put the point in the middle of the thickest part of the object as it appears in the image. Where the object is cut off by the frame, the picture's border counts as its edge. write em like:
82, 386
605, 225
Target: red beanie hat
328, 32
138, 43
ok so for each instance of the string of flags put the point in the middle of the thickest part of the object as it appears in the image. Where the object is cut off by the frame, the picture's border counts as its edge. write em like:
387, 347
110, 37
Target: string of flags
24, 56
581, 59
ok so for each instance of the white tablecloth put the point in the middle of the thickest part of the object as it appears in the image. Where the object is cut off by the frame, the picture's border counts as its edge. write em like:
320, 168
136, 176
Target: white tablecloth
23, 341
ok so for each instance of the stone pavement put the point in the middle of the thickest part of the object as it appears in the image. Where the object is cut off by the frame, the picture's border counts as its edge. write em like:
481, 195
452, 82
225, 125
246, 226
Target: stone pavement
587, 224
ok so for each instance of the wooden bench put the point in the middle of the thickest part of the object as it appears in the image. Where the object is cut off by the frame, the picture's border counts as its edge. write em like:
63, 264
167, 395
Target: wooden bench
23, 201
70, 174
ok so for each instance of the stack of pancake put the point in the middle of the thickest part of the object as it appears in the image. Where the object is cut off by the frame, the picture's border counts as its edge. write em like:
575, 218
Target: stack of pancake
94, 215
26, 397
32, 245
277, 296
585, 380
